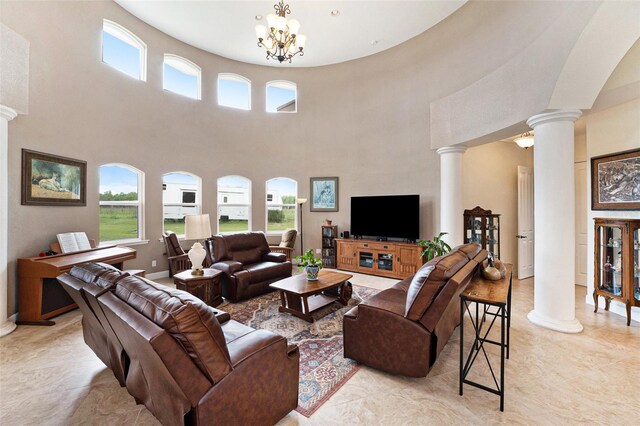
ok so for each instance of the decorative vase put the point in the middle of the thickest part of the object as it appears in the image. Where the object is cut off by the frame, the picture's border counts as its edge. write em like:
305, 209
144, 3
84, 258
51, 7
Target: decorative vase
328, 222
196, 256
312, 272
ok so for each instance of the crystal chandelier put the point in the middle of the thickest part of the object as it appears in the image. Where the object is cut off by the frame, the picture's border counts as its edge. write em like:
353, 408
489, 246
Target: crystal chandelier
280, 37
525, 140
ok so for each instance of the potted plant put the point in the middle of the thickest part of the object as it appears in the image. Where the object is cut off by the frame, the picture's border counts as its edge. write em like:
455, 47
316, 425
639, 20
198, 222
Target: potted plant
310, 264
434, 248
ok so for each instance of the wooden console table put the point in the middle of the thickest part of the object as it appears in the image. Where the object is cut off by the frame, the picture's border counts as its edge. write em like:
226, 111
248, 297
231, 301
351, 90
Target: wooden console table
488, 294
40, 296
384, 258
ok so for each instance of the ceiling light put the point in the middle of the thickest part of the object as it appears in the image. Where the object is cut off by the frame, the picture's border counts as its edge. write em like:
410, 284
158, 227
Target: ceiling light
525, 140
335, 12
374, 42
280, 38
258, 17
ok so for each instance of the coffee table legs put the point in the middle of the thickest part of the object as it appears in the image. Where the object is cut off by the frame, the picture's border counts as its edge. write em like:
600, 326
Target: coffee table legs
302, 306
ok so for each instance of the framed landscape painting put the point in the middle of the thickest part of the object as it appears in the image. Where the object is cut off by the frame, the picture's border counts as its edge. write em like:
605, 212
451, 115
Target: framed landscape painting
615, 181
51, 180
324, 194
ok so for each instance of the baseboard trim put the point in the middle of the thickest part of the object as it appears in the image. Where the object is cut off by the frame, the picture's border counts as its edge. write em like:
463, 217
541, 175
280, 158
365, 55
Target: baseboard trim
157, 275
615, 307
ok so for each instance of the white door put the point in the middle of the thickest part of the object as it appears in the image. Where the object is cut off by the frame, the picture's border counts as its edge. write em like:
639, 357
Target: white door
525, 222
581, 223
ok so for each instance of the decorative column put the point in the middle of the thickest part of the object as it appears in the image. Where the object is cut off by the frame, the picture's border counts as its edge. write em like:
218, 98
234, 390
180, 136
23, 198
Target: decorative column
554, 193
6, 114
451, 187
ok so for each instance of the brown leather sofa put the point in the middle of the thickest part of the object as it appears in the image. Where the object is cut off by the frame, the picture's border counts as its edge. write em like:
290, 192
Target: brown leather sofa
403, 329
185, 361
247, 263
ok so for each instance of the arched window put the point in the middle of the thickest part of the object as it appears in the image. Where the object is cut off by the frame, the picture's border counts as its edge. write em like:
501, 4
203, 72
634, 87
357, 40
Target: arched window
121, 203
180, 197
234, 204
281, 205
181, 76
234, 91
282, 96
123, 50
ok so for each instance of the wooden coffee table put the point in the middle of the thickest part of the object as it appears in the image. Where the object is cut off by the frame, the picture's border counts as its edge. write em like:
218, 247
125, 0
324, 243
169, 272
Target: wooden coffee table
300, 297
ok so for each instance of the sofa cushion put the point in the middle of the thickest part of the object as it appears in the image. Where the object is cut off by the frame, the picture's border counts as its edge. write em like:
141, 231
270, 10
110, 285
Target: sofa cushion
470, 250
189, 320
217, 248
89, 272
429, 280
265, 271
247, 247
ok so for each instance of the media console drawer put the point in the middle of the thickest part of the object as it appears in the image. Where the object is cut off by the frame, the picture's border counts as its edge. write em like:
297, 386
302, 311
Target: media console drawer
390, 248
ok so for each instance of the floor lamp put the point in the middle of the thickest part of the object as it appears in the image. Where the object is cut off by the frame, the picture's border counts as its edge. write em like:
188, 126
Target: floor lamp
301, 201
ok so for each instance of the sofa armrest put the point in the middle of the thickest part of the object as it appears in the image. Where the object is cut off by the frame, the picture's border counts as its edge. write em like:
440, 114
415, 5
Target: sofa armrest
228, 266
274, 257
387, 341
266, 368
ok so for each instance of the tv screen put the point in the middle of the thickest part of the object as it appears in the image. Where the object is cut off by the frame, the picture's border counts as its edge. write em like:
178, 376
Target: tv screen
391, 216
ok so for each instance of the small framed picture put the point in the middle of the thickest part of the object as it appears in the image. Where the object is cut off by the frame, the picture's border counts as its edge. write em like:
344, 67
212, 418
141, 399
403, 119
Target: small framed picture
324, 194
51, 180
615, 181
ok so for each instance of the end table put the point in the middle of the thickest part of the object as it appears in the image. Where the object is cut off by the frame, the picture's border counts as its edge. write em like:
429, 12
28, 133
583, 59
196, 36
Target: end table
205, 287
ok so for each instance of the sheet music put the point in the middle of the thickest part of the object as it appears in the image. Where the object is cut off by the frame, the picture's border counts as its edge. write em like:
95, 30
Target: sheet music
73, 241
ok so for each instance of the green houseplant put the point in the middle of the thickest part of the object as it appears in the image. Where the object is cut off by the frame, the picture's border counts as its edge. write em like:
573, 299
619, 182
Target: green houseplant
434, 248
310, 264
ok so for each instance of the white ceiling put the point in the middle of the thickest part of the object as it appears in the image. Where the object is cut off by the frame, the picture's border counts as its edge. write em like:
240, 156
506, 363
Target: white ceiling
226, 28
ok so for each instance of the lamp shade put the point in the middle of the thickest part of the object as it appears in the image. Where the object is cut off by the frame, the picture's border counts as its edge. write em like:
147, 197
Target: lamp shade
302, 200
261, 31
197, 227
294, 26
301, 40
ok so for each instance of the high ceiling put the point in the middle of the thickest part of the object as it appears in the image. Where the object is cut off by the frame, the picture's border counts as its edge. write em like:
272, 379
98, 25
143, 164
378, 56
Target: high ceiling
361, 28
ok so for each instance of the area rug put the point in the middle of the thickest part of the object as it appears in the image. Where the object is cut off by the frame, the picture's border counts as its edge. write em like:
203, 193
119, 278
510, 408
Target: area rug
323, 369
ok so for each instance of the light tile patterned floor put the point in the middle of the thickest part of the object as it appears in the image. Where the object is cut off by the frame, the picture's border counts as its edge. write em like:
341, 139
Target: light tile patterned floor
49, 376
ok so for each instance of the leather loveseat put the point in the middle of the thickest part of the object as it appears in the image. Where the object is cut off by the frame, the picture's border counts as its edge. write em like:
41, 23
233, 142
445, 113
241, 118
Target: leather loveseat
247, 263
186, 362
403, 329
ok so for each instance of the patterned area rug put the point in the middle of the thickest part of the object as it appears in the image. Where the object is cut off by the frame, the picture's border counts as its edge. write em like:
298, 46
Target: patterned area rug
323, 369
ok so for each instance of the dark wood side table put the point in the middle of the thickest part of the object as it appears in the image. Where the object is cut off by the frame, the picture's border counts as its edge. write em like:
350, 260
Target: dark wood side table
205, 287
488, 294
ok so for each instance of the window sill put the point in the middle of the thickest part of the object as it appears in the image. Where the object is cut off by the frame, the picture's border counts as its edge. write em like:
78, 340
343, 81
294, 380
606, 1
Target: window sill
123, 243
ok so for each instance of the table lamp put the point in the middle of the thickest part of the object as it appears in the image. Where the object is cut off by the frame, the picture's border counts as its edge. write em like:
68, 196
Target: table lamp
197, 227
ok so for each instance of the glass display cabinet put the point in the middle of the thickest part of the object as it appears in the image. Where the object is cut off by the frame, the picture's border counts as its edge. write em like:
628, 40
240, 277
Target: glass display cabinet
617, 262
483, 227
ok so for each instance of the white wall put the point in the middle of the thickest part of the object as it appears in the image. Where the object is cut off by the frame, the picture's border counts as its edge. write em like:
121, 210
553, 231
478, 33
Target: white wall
612, 130
490, 176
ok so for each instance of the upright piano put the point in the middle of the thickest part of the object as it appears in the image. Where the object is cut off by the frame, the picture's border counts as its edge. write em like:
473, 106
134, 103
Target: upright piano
40, 296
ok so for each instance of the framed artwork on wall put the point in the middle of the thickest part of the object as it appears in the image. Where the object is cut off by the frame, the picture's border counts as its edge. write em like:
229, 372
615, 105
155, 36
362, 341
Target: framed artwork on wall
51, 180
324, 194
615, 181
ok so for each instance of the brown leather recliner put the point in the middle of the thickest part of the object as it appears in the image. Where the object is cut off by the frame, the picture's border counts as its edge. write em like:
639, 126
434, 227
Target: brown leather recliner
402, 330
189, 363
98, 278
247, 263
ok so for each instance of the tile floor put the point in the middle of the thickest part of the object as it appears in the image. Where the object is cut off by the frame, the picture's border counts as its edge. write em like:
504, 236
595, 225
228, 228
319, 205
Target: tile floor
49, 376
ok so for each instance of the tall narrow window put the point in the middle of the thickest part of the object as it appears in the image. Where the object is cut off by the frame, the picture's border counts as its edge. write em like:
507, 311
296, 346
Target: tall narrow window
121, 203
180, 197
234, 91
123, 50
181, 76
282, 96
282, 194
234, 204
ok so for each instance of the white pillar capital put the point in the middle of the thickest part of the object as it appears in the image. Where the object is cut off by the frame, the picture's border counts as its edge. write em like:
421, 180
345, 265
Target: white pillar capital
549, 117
7, 113
451, 150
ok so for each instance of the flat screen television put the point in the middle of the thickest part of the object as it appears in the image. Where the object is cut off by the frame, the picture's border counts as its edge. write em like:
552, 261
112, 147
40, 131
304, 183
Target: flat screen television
389, 216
